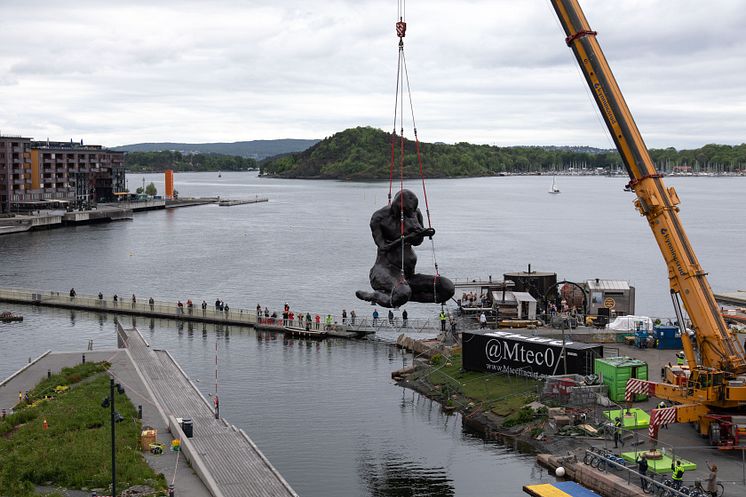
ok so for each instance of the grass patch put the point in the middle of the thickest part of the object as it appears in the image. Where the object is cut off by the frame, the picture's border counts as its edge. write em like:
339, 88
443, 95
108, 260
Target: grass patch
502, 394
75, 451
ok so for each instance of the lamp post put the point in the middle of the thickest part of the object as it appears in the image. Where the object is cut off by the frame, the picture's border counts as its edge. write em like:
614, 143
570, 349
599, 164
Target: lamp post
115, 418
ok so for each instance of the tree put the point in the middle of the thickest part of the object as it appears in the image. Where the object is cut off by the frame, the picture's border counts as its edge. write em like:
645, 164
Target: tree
151, 190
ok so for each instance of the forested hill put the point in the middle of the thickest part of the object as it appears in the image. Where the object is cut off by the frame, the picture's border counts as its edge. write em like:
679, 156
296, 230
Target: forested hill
365, 153
254, 149
155, 162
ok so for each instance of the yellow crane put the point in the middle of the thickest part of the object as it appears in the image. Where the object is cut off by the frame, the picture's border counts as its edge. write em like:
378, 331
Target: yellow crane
716, 388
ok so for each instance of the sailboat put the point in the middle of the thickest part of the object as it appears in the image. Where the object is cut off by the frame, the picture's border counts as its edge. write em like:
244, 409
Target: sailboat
555, 188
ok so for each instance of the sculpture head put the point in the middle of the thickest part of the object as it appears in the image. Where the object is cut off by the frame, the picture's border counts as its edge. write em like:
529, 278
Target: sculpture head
406, 199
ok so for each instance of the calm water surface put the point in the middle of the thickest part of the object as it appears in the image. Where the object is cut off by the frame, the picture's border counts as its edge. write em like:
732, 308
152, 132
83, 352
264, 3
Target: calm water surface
327, 414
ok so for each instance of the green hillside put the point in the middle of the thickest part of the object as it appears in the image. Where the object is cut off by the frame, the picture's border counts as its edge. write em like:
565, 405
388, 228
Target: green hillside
160, 161
365, 153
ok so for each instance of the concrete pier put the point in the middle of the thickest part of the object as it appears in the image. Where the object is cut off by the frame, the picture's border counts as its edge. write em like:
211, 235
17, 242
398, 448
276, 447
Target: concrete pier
224, 457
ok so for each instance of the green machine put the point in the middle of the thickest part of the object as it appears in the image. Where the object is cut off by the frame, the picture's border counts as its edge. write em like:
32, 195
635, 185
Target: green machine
615, 371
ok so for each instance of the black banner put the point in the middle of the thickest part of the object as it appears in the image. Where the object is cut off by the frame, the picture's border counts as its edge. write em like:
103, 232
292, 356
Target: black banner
511, 353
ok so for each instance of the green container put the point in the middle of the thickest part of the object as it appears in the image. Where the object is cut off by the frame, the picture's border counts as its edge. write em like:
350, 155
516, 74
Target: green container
615, 372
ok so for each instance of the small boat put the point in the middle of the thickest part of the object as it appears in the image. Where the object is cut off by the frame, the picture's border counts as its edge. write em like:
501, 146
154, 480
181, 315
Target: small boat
7, 317
555, 188
304, 333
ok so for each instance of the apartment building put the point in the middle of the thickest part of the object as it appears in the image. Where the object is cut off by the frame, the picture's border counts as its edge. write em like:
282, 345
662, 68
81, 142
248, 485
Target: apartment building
40, 174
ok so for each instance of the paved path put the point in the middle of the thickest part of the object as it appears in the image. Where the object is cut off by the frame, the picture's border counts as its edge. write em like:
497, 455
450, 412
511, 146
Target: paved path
228, 456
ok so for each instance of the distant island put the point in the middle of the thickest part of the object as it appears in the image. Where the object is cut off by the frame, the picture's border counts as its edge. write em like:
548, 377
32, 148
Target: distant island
363, 153
253, 149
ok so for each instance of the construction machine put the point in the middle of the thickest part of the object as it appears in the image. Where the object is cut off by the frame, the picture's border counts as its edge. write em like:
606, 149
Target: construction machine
716, 387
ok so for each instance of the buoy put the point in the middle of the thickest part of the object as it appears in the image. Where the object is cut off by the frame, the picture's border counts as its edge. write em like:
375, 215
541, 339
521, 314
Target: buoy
45, 425
560, 471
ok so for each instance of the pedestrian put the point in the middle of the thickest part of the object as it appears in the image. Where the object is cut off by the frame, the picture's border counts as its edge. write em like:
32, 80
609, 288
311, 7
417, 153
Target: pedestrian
20, 396
353, 316
712, 479
190, 306
344, 316
317, 318
226, 309
100, 296
442, 316
482, 320
134, 300
391, 317
116, 299
642, 468
618, 432
266, 312
375, 317
291, 317
258, 311
680, 358
204, 307
404, 318
677, 474
151, 303
287, 307
308, 321
329, 321
72, 293
285, 315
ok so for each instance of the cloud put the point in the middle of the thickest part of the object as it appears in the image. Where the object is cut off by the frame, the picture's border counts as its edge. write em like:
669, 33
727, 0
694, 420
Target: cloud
494, 71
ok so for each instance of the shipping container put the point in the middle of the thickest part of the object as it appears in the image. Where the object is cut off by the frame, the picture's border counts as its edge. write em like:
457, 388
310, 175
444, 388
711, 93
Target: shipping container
615, 371
533, 356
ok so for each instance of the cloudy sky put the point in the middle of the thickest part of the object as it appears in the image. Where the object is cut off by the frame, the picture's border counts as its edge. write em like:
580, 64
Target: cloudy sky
482, 71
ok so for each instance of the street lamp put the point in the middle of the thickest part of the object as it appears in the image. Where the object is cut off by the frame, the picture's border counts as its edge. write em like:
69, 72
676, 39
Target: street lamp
115, 418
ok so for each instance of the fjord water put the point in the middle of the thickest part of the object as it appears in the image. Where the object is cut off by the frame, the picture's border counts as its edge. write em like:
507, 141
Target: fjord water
327, 414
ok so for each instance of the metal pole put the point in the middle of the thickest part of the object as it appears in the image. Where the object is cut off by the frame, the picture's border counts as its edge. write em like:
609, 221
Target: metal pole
113, 446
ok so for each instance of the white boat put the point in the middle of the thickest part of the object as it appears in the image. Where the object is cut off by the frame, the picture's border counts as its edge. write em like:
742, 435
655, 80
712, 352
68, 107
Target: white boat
555, 188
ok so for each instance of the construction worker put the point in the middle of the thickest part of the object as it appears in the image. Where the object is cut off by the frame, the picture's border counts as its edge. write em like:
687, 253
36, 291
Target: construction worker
680, 358
442, 316
677, 474
662, 405
618, 432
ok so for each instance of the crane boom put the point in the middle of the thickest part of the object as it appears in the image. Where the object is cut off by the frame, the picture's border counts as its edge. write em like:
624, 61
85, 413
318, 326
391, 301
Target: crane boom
718, 347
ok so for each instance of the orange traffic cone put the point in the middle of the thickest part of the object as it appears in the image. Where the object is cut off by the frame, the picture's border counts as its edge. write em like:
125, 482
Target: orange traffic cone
45, 425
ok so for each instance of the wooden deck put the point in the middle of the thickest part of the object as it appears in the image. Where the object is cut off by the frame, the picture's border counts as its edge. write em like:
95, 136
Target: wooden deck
225, 458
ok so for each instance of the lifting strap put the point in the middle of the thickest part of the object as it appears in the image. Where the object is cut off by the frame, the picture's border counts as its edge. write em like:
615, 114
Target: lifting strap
402, 79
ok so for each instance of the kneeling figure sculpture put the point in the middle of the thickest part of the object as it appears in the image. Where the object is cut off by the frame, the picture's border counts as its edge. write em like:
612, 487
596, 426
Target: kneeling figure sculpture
392, 287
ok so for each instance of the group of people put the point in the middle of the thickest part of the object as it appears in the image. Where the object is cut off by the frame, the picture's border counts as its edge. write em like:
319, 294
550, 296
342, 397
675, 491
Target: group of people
470, 299
392, 320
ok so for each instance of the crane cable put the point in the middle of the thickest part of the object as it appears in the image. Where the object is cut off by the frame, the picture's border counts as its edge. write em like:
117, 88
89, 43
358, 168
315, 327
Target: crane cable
402, 79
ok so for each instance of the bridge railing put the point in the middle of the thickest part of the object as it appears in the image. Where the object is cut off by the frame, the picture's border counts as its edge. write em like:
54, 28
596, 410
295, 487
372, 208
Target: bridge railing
234, 315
